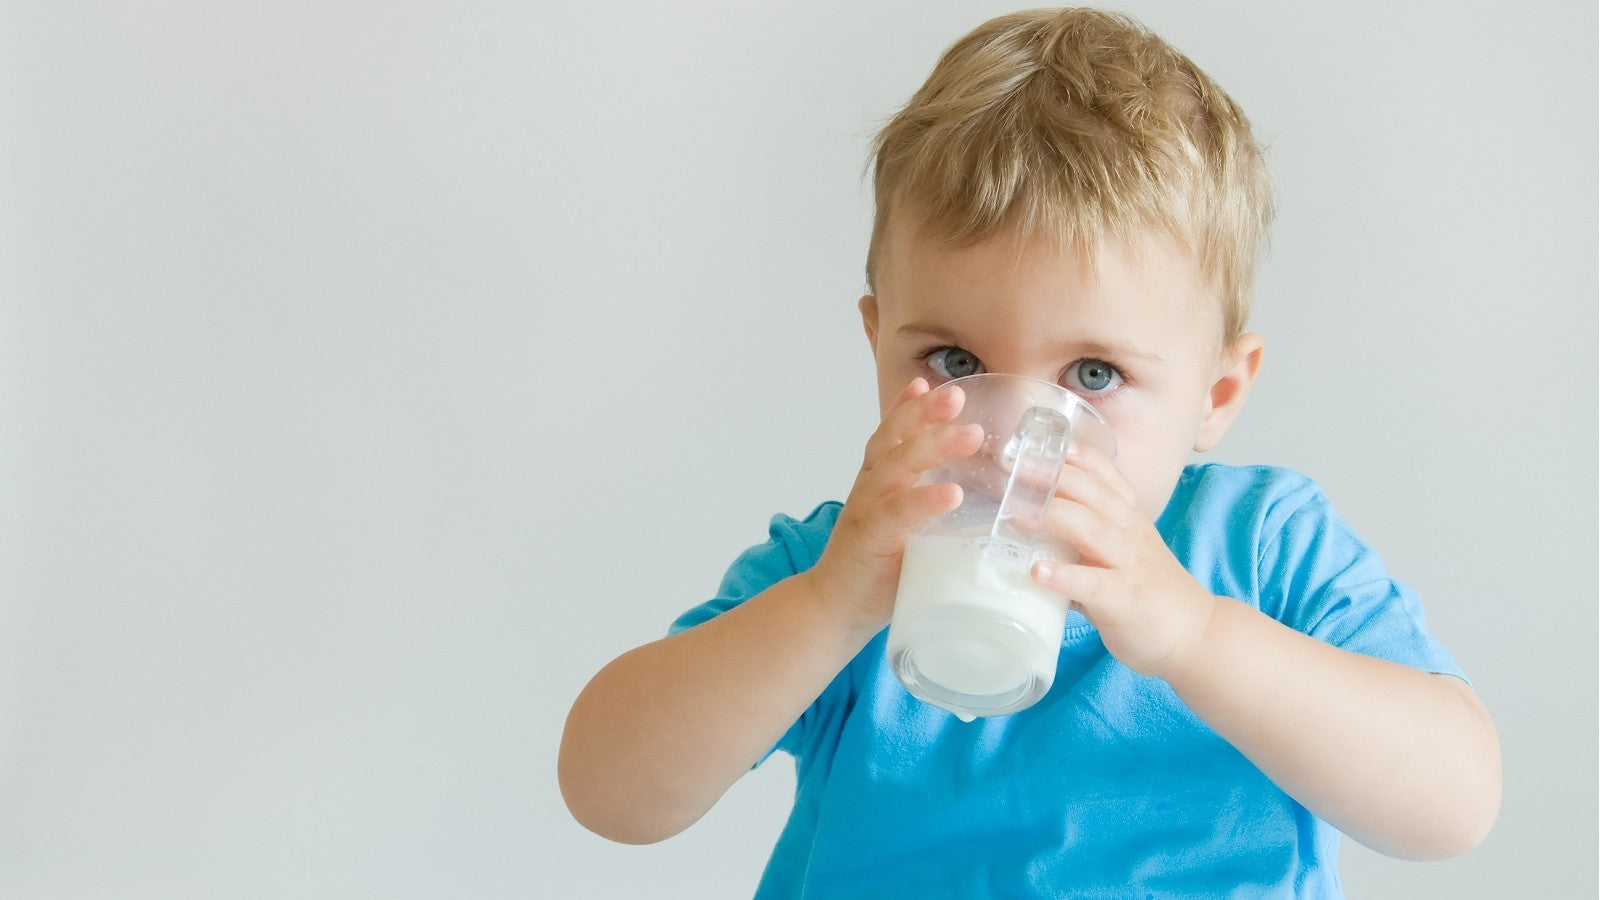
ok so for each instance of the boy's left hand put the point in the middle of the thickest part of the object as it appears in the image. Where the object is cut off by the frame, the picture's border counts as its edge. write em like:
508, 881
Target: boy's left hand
1149, 610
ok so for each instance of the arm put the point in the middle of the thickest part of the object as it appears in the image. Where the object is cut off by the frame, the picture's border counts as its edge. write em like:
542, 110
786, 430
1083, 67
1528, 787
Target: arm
659, 734
1404, 761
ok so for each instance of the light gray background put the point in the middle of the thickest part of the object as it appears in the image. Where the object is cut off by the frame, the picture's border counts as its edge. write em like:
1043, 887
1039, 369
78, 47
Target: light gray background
372, 373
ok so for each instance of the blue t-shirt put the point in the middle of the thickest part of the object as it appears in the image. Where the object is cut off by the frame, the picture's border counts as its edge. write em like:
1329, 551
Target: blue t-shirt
1108, 786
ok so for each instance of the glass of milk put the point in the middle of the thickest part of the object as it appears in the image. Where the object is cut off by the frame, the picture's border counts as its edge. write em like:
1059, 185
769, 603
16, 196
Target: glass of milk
971, 632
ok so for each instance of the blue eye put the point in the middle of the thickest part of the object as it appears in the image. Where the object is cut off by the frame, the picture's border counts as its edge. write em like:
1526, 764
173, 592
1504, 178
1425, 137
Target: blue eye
1093, 375
953, 362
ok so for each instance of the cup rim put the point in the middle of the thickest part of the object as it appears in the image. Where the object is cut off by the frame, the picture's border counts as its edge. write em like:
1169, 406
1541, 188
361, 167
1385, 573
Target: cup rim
1077, 399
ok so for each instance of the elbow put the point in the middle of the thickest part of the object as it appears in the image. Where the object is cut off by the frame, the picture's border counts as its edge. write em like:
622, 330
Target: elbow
1453, 830
1474, 833
1474, 815
611, 827
605, 816
597, 796
1471, 799
1456, 836
1482, 784
582, 804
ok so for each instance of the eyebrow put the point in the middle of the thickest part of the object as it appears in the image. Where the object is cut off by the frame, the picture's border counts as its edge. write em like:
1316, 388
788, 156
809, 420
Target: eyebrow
1088, 349
933, 331
1114, 351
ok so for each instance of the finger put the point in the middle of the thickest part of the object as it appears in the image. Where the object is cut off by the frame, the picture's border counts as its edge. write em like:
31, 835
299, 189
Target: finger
916, 388
1094, 461
1079, 485
919, 409
903, 464
1084, 530
901, 512
1091, 515
1084, 586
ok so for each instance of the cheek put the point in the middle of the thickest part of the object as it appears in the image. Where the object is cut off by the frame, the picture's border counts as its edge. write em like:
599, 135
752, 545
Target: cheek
889, 387
1152, 484
1151, 462
1156, 492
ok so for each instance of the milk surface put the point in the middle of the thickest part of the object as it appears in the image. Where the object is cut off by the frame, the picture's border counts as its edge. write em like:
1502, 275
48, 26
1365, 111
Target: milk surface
978, 626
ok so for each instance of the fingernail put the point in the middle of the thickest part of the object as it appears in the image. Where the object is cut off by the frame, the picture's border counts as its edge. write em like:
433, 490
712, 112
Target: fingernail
1043, 570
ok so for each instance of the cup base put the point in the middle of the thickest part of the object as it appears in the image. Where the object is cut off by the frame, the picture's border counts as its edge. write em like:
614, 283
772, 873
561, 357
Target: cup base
971, 663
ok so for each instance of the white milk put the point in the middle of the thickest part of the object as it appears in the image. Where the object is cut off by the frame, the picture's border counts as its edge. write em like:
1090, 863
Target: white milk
971, 632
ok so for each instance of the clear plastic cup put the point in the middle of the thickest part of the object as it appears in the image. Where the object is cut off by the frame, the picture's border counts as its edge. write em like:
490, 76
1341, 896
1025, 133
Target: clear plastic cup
971, 632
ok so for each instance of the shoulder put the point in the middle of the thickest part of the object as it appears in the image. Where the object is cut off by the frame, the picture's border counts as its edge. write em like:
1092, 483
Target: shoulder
1238, 499
1227, 523
792, 546
803, 539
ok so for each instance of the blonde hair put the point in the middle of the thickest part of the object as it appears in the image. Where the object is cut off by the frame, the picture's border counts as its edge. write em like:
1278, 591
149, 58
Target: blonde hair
1081, 124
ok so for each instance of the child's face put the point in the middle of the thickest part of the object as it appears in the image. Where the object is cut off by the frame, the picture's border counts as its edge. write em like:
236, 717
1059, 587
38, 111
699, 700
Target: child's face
1139, 337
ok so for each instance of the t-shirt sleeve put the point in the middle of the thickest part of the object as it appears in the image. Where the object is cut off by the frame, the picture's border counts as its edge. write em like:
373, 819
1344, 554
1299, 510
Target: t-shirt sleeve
1318, 577
792, 546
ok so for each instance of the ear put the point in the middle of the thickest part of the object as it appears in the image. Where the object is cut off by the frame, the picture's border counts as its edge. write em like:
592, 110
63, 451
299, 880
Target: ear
869, 319
1241, 360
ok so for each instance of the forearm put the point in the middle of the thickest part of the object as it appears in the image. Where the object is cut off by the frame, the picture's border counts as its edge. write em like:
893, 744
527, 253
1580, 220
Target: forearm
1403, 761
659, 734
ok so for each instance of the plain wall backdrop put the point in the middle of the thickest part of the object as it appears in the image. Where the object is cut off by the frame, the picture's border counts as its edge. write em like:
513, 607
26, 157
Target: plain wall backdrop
373, 373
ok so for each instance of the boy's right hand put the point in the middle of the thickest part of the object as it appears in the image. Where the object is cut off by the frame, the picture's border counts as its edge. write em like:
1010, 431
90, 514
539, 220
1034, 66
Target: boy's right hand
860, 568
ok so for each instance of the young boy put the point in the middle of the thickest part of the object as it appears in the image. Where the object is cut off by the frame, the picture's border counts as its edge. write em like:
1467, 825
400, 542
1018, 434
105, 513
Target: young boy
1239, 681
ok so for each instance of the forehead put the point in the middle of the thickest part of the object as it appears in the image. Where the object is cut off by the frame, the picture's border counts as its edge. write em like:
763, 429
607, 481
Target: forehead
1148, 285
